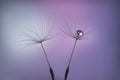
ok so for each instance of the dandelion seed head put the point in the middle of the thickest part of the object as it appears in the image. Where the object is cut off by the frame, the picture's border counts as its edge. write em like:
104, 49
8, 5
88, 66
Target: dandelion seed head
39, 34
75, 30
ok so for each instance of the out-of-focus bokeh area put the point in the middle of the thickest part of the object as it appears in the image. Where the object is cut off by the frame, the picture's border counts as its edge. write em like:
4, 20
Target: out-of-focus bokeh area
97, 57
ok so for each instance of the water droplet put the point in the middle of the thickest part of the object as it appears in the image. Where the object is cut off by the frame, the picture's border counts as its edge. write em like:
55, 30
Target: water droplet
79, 34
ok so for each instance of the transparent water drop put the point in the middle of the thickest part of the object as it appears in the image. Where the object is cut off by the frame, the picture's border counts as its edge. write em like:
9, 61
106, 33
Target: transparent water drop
79, 34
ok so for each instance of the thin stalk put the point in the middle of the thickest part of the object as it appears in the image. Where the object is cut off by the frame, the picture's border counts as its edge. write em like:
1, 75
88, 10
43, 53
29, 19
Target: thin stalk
67, 70
50, 68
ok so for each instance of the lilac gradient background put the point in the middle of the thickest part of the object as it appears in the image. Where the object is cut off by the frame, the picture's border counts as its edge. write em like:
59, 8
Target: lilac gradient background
95, 58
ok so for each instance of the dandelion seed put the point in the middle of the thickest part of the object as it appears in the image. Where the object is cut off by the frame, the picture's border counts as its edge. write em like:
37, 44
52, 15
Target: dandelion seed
46, 32
77, 32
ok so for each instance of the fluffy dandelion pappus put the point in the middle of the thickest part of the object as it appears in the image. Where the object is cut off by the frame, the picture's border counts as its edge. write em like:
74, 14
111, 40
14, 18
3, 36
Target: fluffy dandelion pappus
45, 33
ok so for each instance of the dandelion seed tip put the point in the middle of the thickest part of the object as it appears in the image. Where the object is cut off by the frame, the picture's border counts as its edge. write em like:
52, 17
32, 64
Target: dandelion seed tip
40, 41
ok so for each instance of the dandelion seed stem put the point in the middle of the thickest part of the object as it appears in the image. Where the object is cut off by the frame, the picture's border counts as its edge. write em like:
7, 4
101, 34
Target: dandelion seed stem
50, 68
72, 53
67, 70
45, 54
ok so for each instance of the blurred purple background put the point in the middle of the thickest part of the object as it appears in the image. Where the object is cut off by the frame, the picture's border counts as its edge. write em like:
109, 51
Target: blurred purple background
96, 57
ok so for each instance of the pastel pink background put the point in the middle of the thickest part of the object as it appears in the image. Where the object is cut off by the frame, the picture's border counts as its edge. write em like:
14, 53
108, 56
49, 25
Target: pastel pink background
96, 57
